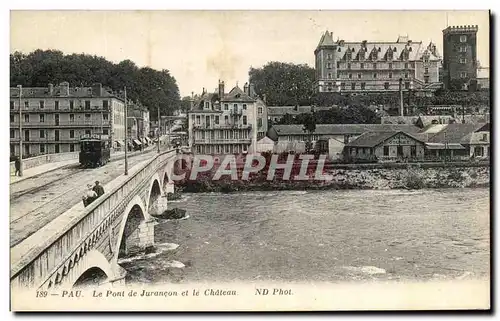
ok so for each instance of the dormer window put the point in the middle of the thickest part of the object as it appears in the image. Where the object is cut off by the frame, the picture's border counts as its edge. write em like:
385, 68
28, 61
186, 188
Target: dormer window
238, 96
207, 105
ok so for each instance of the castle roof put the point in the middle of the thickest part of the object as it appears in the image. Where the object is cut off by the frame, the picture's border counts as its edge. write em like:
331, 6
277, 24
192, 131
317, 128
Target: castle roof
375, 51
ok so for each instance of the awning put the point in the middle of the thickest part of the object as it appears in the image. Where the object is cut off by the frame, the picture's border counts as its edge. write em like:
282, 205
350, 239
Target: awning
441, 146
143, 140
137, 142
120, 142
149, 140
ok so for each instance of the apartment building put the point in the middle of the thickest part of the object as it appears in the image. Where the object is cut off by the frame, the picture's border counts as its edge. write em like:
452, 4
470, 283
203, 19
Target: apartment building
53, 118
357, 67
226, 123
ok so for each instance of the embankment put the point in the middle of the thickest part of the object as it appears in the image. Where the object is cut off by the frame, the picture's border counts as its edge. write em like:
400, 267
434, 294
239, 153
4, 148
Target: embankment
352, 177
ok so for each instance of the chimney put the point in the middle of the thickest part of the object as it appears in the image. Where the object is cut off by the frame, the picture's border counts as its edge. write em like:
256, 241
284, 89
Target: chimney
252, 90
203, 92
221, 90
246, 89
51, 89
64, 88
97, 89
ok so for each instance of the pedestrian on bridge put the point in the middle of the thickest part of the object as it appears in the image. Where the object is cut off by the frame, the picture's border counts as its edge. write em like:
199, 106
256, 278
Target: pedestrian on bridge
89, 196
98, 189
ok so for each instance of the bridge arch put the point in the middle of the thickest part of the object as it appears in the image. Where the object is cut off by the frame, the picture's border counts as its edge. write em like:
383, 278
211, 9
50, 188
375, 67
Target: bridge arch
167, 182
134, 215
91, 270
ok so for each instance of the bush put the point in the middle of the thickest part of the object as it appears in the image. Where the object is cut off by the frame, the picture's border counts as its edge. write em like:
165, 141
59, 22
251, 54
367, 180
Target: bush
413, 179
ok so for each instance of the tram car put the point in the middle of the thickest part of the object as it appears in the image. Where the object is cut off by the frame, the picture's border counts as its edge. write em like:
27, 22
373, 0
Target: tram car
94, 151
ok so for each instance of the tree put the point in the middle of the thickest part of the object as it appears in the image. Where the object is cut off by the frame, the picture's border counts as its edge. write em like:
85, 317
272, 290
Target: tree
41, 67
283, 84
309, 127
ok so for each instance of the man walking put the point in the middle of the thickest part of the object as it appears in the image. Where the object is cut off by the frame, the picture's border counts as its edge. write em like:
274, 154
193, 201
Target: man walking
98, 189
17, 163
89, 196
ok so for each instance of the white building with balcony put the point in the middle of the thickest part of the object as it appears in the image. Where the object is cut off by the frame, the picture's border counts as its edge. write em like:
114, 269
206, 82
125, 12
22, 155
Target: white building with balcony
54, 118
226, 123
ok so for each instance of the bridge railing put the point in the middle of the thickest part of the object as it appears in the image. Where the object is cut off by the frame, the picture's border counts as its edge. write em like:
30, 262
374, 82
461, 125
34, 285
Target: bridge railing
44, 159
50, 261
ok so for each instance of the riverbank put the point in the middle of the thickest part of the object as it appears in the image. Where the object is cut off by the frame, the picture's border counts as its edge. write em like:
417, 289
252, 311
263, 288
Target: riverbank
411, 177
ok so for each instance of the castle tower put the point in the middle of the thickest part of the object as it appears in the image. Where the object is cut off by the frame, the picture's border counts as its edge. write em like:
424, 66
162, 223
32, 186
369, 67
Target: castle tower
459, 56
326, 63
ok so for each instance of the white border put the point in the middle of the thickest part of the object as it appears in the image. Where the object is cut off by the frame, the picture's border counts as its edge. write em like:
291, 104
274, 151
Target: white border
147, 4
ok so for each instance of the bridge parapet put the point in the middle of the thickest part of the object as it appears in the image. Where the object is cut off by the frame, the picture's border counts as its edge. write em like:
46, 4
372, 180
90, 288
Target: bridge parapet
44, 159
48, 264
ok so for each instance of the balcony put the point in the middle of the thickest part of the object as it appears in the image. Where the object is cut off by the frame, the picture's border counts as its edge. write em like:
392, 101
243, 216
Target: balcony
49, 124
223, 141
222, 126
49, 140
236, 112
65, 109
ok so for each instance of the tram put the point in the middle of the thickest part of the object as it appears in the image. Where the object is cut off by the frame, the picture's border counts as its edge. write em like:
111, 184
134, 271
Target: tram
94, 151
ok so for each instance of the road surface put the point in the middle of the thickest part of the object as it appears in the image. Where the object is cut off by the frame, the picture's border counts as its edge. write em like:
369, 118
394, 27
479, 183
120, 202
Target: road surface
36, 201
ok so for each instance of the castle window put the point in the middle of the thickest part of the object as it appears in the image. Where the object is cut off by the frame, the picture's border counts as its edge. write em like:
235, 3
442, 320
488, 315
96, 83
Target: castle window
390, 65
390, 75
406, 75
338, 64
462, 49
353, 86
374, 66
406, 65
342, 85
386, 85
463, 74
463, 38
329, 65
348, 66
339, 49
363, 86
359, 76
426, 70
463, 60
329, 75
375, 75
362, 66
350, 76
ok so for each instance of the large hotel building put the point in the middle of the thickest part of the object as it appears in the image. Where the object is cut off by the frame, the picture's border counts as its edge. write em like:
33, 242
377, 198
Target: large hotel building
54, 118
356, 67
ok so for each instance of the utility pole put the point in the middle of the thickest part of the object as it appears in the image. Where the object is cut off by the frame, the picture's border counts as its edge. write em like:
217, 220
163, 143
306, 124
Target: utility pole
20, 132
126, 134
401, 97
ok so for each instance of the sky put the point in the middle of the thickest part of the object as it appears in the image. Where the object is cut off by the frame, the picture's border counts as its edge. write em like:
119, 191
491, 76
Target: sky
201, 47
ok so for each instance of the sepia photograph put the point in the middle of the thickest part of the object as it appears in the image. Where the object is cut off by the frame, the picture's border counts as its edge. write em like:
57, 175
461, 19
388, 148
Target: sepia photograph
231, 160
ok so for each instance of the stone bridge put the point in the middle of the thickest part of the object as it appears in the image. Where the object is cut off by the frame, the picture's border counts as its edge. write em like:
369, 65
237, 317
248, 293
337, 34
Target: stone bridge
118, 223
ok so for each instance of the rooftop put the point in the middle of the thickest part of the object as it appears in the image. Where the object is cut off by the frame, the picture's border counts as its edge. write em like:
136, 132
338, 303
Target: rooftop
376, 51
343, 129
372, 139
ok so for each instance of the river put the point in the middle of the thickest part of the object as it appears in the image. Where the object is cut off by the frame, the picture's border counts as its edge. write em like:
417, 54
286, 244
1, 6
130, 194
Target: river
322, 236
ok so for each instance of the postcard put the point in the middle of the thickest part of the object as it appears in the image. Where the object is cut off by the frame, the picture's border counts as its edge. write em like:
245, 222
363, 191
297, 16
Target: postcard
249, 160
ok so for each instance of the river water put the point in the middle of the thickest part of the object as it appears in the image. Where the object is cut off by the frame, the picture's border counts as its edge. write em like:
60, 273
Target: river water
322, 236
